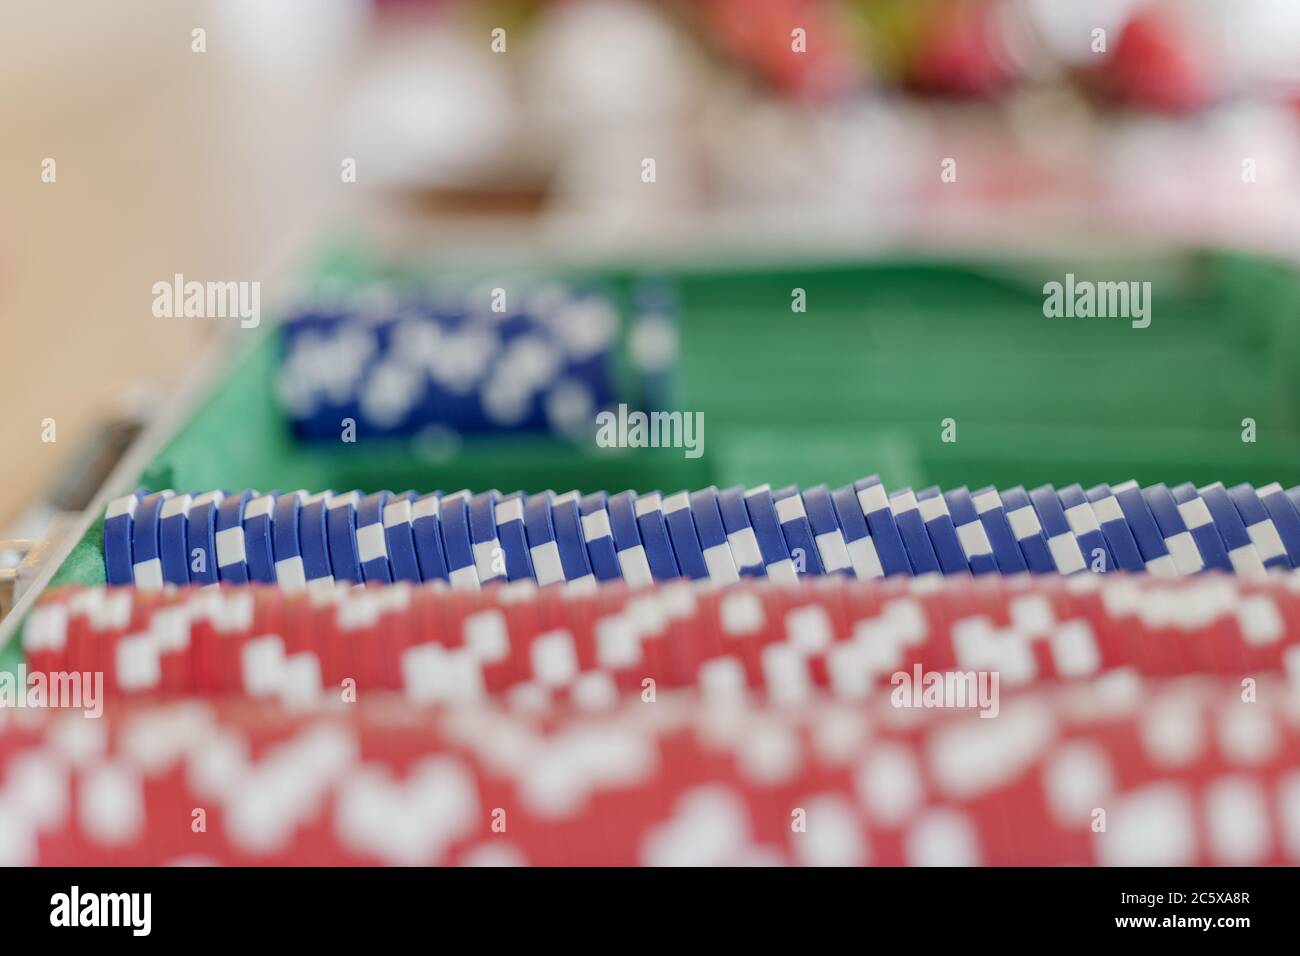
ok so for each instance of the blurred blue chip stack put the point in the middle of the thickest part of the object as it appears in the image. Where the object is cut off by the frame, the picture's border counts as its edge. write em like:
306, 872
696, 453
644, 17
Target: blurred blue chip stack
491, 360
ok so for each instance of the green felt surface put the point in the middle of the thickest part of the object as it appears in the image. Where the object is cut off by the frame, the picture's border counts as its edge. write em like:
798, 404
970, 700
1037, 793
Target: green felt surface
859, 383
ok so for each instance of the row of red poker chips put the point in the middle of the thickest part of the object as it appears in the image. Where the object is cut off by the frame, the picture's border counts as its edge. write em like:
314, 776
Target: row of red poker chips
1118, 771
538, 645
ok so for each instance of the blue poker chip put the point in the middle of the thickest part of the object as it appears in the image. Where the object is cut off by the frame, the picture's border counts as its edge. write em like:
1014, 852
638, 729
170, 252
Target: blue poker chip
286, 541
767, 530
539, 527
911, 529
712, 534
1027, 529
1083, 522
1067, 556
599, 536
1261, 527
993, 516
400, 538
173, 549
313, 539
826, 531
569, 541
258, 549
489, 558
1285, 518
943, 533
885, 536
232, 557
857, 535
119, 525
372, 543
201, 537
971, 533
793, 518
1169, 519
509, 515
426, 530
740, 533
456, 543
654, 537
1146, 532
1196, 516
146, 565
1114, 526
632, 559
682, 534
341, 522
1246, 560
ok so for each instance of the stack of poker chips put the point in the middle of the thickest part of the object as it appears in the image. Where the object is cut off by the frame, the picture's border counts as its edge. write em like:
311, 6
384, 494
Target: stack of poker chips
546, 360
863, 530
839, 639
1117, 772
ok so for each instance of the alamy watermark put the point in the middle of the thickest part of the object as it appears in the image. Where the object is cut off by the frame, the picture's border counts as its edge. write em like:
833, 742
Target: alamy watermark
208, 300
1084, 299
946, 689
624, 429
70, 690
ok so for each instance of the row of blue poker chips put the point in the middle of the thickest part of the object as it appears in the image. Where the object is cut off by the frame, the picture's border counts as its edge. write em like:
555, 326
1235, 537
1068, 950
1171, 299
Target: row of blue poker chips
301, 540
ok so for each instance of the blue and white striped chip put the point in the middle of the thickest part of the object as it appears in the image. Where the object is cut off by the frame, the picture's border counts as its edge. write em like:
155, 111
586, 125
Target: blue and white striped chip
767, 530
599, 536
1285, 518
341, 524
372, 543
286, 542
570, 542
400, 538
1119, 537
1061, 542
857, 534
826, 530
313, 539
793, 518
971, 534
509, 514
258, 547
119, 525
426, 531
1178, 539
1196, 516
1028, 531
654, 537
1261, 528
453, 513
146, 563
685, 540
201, 537
1246, 559
874, 503
173, 538
483, 536
627, 540
541, 539
993, 516
1085, 525
911, 529
713, 537
232, 556
740, 533
943, 534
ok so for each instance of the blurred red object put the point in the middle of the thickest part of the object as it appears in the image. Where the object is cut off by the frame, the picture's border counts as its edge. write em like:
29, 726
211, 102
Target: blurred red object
1160, 62
761, 34
961, 51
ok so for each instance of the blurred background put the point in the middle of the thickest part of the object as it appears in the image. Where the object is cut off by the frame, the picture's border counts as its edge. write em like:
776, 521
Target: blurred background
782, 131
